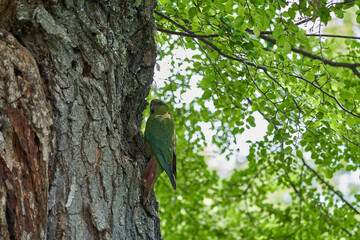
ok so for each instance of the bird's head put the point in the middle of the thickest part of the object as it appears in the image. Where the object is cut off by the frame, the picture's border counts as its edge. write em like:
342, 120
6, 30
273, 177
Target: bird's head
158, 107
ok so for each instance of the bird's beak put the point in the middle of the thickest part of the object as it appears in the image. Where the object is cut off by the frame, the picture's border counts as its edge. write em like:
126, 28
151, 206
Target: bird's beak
151, 107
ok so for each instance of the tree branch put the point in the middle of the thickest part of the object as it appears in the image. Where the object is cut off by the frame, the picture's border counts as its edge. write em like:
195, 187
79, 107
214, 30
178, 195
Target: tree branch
329, 187
351, 141
328, 94
187, 34
352, 66
272, 40
251, 182
251, 31
342, 3
332, 36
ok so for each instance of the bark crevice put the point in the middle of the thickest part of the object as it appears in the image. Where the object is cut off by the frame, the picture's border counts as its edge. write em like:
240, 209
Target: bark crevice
25, 143
95, 64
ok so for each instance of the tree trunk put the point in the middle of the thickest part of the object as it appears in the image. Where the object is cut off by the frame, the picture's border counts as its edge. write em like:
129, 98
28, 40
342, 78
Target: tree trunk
73, 83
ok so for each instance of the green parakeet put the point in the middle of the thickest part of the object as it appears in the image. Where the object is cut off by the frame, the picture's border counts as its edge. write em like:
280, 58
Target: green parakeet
160, 141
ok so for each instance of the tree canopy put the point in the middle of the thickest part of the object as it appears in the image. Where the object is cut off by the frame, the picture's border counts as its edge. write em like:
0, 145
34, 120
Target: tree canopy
288, 61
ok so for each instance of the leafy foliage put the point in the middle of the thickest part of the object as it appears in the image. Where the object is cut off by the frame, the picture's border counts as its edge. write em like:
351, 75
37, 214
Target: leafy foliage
256, 56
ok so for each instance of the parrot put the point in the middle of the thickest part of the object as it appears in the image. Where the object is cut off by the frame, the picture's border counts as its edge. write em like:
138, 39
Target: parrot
160, 147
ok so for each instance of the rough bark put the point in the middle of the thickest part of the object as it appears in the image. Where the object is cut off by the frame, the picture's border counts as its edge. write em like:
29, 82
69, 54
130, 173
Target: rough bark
24, 143
72, 91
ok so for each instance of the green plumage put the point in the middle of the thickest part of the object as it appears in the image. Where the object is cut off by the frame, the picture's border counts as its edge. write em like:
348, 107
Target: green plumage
160, 140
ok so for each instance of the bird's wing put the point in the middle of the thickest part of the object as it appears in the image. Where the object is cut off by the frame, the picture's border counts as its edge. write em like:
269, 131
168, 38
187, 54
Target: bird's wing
159, 134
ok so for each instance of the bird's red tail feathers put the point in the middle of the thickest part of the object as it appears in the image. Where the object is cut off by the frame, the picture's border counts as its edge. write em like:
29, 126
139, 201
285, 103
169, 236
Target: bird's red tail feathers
150, 178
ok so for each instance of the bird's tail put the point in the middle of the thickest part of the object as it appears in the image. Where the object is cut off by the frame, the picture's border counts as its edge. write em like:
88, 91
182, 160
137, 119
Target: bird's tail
150, 178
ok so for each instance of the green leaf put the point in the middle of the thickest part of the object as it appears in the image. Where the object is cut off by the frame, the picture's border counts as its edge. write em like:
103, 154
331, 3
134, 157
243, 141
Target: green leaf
319, 115
222, 31
278, 31
281, 40
256, 31
197, 64
192, 12
286, 48
229, 6
207, 94
255, 106
205, 83
251, 121
271, 95
241, 11
216, 96
270, 127
339, 13
291, 13
238, 22
206, 10
288, 150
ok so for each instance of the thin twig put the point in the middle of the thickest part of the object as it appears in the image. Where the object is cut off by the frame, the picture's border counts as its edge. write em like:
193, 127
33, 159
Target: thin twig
304, 21
269, 39
186, 34
248, 63
332, 36
194, 35
313, 56
326, 93
251, 182
351, 141
329, 187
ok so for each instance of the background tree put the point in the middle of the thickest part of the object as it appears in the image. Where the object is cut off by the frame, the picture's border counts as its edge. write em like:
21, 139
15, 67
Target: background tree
274, 58
74, 76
